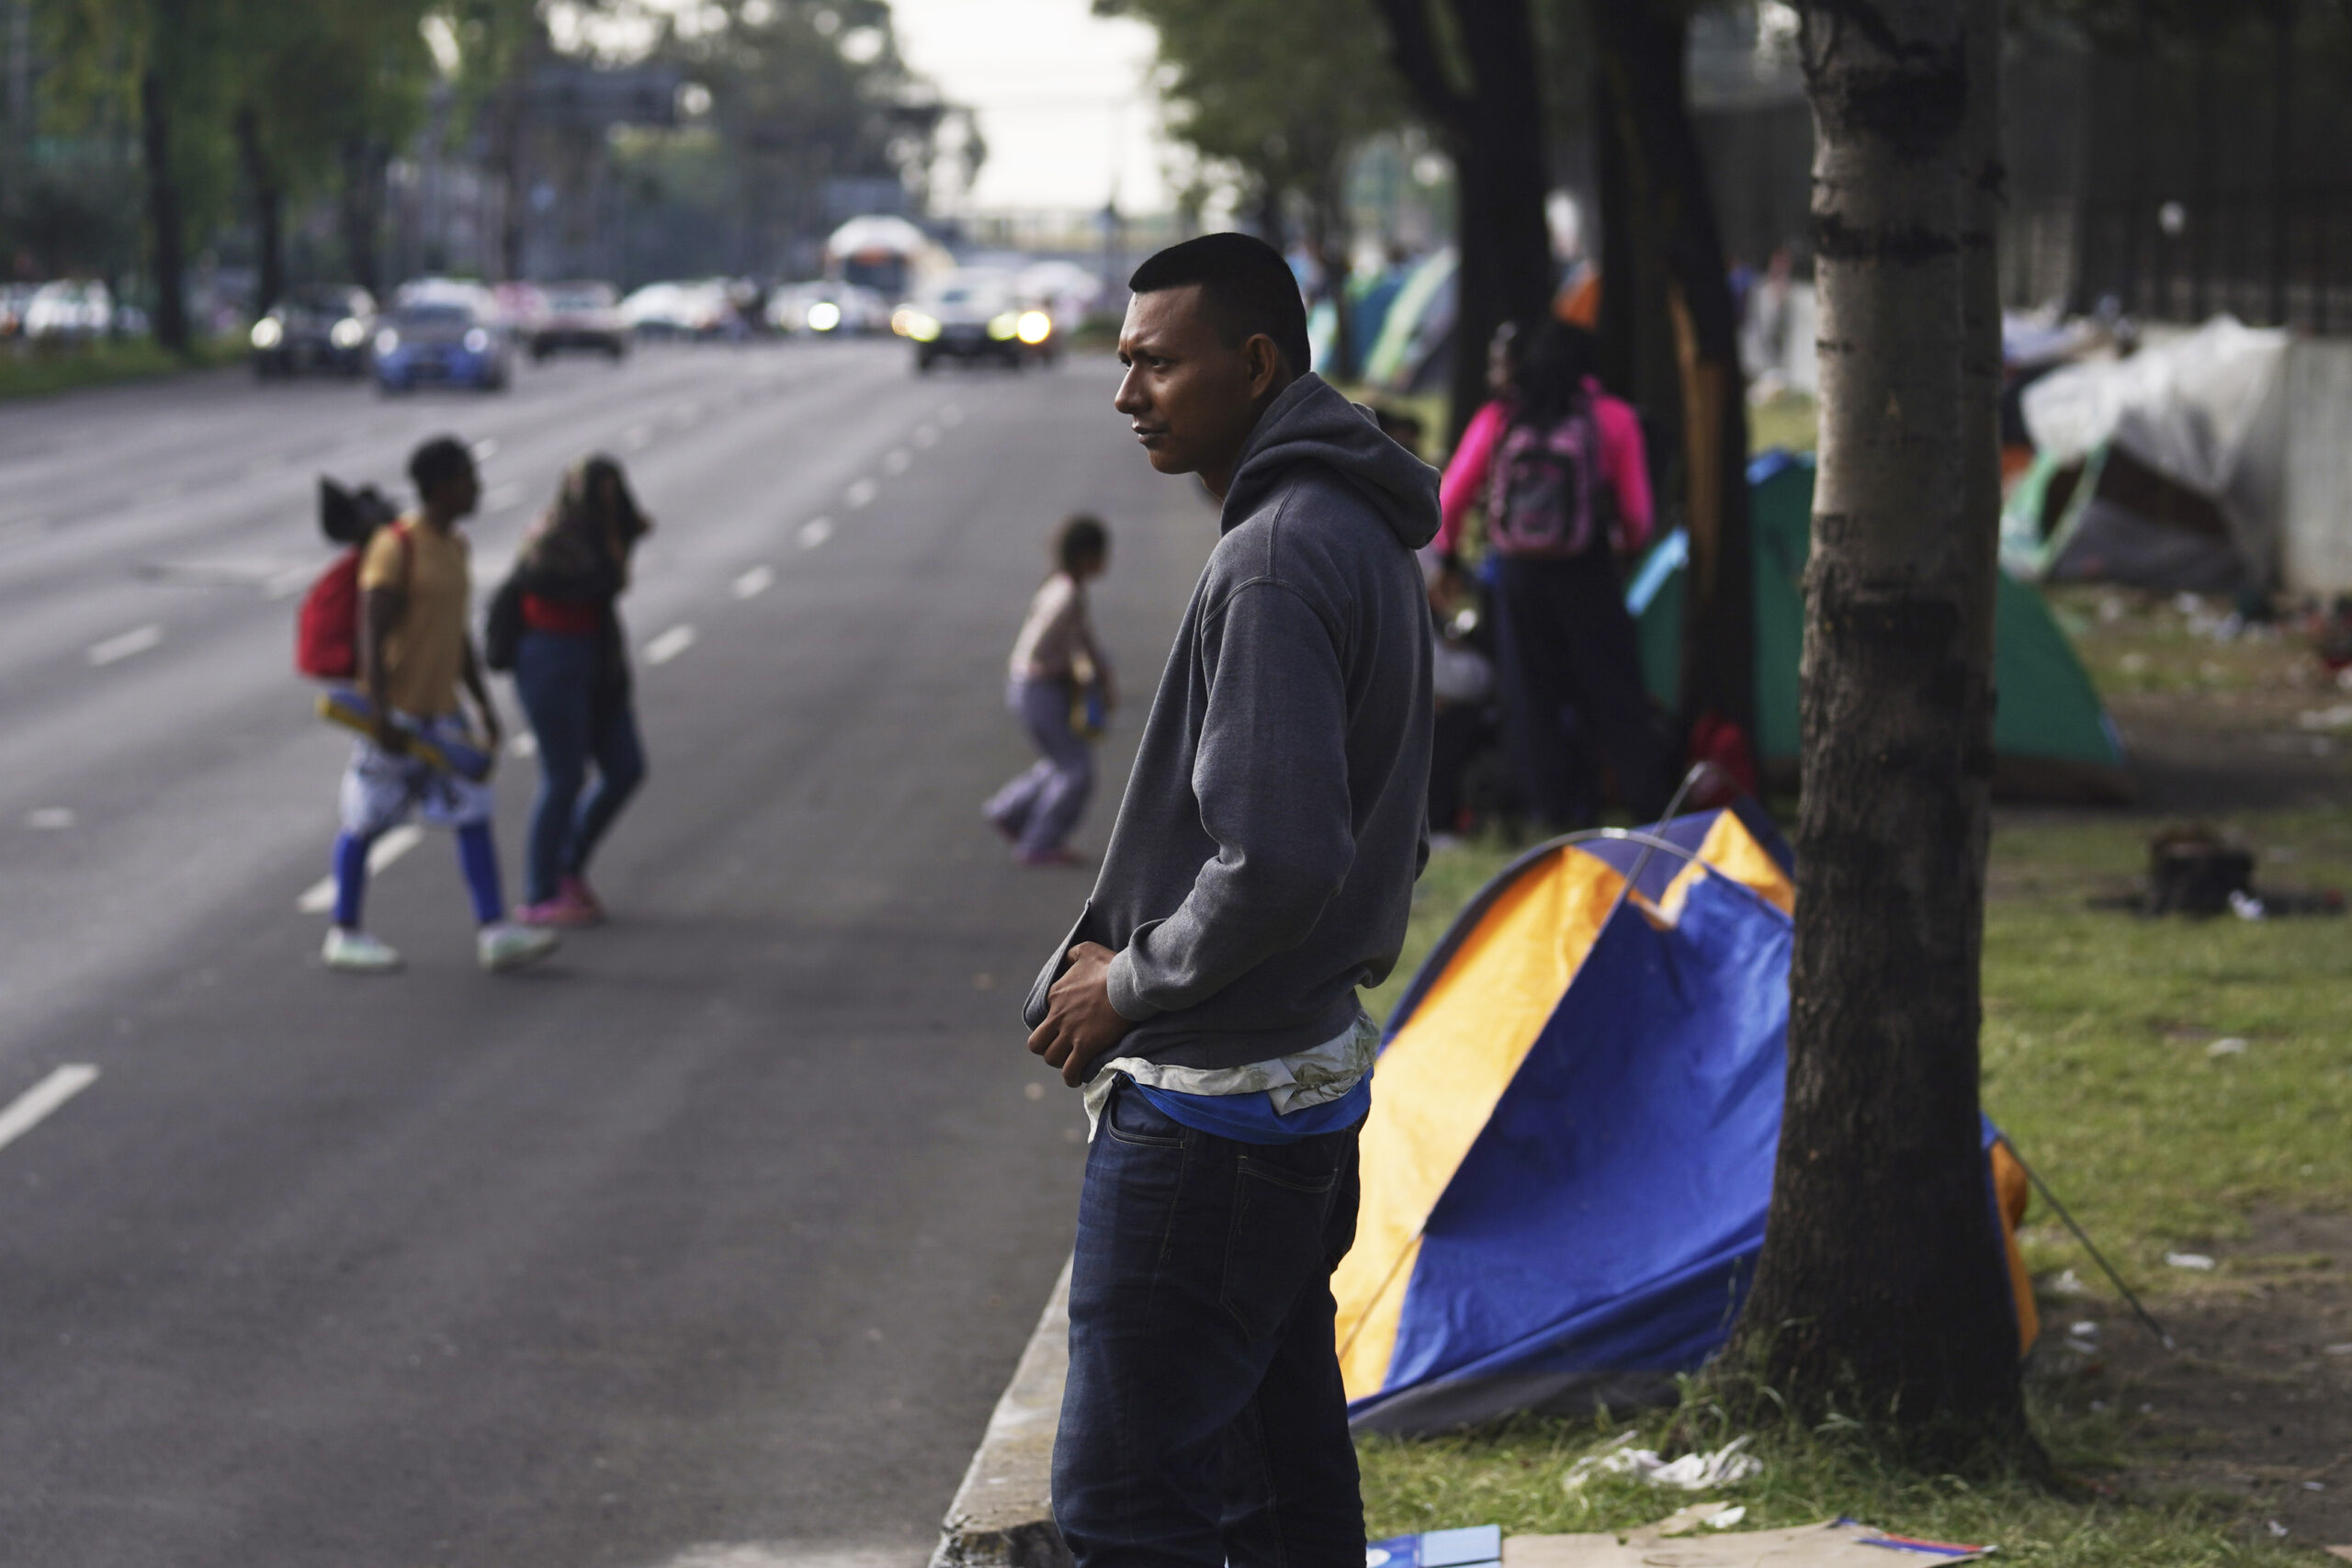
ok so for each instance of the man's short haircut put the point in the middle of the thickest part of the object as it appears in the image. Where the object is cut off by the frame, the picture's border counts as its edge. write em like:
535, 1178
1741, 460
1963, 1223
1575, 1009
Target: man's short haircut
439, 460
1080, 539
1248, 287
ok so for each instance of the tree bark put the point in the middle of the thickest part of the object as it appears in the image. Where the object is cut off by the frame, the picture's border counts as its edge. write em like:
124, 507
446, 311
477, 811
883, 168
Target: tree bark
361, 211
163, 224
1493, 132
1882, 1290
269, 213
1642, 48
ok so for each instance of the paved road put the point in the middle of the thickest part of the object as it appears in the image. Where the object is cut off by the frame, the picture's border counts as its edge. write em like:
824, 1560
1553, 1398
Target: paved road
720, 1231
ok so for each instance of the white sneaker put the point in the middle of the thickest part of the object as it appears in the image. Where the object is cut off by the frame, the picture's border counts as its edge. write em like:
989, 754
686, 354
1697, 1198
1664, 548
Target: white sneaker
357, 953
505, 946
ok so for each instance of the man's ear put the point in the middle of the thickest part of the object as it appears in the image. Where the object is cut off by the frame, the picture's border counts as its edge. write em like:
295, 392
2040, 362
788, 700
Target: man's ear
1268, 374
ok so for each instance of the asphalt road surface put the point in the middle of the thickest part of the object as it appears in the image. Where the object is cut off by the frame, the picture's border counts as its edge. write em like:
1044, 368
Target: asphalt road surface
710, 1241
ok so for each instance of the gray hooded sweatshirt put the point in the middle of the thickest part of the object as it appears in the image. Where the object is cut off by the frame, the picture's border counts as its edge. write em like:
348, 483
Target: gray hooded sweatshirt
1263, 862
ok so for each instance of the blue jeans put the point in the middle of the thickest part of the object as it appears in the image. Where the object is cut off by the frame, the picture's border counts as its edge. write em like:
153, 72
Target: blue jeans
577, 698
1204, 1421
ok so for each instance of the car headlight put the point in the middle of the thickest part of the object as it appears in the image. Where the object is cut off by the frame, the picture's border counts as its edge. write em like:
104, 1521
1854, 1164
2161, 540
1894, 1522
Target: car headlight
349, 334
1004, 327
477, 341
386, 341
268, 332
825, 316
1035, 327
921, 328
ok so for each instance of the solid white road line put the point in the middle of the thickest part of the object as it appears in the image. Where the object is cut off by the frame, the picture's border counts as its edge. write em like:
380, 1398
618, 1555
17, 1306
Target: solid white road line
138, 639
814, 532
859, 493
34, 1105
319, 897
669, 645
752, 581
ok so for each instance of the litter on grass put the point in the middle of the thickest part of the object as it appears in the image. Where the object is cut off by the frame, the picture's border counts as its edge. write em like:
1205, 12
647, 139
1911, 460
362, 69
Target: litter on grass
1728, 1466
2195, 1261
1677, 1541
1475, 1546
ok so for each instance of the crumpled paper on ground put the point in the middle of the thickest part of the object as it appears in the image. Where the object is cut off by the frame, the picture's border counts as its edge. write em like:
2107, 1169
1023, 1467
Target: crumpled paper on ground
1839, 1544
1728, 1466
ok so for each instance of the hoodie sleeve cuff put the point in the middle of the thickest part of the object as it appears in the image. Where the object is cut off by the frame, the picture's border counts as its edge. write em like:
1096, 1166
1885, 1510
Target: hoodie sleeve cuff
1126, 1000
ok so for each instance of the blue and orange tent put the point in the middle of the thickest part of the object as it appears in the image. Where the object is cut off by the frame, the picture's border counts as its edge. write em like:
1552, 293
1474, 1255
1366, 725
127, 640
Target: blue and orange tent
1569, 1155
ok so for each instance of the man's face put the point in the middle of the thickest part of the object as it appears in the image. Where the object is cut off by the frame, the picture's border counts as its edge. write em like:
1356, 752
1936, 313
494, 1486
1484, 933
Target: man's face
459, 494
1190, 398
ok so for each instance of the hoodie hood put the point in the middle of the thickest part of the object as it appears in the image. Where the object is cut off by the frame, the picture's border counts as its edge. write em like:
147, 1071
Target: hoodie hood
1311, 422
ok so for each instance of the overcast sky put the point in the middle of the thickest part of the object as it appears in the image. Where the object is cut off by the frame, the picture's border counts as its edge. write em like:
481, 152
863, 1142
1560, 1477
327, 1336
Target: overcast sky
1060, 96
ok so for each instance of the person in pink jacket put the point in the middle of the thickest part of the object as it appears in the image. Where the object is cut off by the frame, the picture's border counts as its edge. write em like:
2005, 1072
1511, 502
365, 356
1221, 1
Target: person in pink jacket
1559, 467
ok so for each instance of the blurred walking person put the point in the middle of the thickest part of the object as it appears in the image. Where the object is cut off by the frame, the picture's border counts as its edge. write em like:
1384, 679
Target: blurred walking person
1561, 468
1058, 674
415, 590
571, 671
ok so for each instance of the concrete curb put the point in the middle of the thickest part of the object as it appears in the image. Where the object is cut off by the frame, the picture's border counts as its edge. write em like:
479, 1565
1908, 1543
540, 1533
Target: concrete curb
1003, 1514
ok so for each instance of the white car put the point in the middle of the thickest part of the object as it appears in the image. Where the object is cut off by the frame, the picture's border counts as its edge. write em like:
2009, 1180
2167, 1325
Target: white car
69, 308
697, 309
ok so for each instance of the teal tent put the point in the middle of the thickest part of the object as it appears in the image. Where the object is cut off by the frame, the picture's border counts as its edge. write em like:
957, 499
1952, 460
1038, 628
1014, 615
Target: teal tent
2052, 737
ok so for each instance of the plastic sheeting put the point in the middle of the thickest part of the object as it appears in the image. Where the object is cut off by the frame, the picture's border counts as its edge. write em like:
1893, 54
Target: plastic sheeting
2207, 412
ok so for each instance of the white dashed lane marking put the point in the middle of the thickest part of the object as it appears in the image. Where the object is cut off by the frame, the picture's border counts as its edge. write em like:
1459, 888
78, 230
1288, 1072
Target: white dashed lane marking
499, 498
896, 460
859, 493
319, 897
669, 645
51, 819
752, 582
636, 437
32, 1107
138, 639
814, 532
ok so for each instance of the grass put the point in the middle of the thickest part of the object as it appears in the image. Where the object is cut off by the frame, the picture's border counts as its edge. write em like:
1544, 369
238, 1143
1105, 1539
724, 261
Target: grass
2098, 1061
1787, 419
42, 369
1518, 1475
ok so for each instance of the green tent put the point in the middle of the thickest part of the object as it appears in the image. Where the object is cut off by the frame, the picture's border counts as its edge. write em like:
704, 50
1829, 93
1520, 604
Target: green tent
2052, 737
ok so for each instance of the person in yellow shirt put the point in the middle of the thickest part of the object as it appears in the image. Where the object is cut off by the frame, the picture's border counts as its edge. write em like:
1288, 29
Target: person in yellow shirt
416, 592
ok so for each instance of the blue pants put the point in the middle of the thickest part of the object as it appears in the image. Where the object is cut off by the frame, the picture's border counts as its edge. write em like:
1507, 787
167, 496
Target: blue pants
578, 707
1204, 1421
1039, 807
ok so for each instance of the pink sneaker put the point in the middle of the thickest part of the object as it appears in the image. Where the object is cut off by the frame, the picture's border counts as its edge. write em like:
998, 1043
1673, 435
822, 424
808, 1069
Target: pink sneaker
576, 889
560, 911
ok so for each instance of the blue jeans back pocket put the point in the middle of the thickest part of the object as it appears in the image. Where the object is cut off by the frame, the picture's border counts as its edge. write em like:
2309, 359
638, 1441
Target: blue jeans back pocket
1275, 1247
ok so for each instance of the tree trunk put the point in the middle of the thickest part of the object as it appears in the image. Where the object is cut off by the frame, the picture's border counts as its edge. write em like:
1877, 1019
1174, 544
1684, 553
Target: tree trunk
270, 214
1502, 241
1642, 48
361, 211
165, 235
1882, 1290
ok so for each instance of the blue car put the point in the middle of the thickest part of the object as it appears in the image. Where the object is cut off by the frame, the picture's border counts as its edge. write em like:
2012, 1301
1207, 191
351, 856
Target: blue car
443, 343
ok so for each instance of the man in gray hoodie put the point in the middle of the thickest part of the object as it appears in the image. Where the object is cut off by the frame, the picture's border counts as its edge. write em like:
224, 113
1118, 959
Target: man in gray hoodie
1261, 872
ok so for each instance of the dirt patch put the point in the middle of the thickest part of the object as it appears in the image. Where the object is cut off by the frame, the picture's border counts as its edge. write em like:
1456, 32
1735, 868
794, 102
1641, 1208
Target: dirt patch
2236, 751
2255, 1401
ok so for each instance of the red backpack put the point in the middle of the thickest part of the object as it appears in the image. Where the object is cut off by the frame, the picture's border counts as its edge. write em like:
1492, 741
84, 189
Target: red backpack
326, 632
